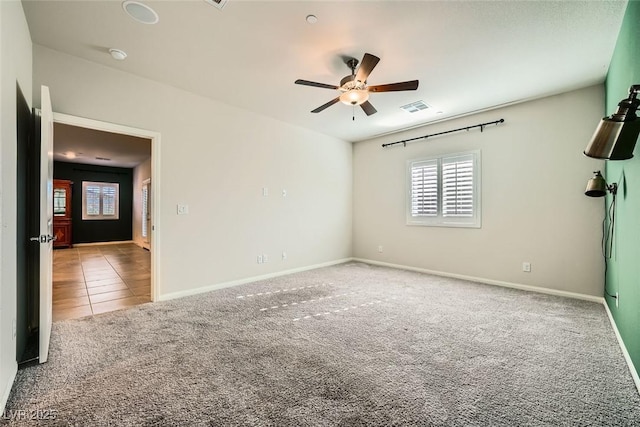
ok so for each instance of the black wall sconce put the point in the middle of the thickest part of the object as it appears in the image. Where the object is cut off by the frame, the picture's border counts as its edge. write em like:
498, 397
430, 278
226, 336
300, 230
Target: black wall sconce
616, 136
598, 187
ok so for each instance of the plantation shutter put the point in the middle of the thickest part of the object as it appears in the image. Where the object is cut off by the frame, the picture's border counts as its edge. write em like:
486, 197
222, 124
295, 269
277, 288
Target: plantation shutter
93, 199
424, 188
145, 209
108, 200
100, 200
458, 186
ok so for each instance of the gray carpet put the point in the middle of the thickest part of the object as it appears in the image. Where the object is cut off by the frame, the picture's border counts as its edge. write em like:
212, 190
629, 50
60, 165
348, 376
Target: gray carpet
347, 345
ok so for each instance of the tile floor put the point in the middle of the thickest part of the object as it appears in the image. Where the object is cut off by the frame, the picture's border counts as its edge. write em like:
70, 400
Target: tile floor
89, 280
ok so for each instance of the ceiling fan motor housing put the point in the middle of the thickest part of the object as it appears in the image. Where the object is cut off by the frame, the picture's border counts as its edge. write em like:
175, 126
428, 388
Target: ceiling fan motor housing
349, 82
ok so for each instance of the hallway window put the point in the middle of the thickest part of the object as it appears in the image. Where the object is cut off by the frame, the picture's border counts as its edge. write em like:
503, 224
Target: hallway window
145, 209
100, 200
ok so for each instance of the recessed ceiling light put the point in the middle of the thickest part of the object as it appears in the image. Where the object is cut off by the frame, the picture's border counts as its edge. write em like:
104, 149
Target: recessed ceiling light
117, 54
70, 155
140, 12
311, 19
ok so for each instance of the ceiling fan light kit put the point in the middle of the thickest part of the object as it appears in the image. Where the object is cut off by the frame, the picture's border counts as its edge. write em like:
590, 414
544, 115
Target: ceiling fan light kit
354, 97
354, 88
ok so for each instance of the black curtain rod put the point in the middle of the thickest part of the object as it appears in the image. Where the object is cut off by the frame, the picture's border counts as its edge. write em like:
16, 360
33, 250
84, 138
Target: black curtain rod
481, 126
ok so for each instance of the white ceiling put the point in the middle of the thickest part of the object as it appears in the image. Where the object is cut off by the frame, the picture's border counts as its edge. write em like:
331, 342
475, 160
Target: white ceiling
96, 147
468, 55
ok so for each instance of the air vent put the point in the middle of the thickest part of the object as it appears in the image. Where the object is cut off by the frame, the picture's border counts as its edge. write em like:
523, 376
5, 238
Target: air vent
414, 107
103, 158
217, 3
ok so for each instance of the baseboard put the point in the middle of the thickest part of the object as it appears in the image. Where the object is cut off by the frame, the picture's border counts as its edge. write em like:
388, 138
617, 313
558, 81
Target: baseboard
623, 347
529, 288
142, 245
181, 294
119, 242
7, 390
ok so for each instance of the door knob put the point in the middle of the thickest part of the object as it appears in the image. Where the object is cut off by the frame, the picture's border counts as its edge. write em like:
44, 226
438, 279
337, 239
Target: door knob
43, 238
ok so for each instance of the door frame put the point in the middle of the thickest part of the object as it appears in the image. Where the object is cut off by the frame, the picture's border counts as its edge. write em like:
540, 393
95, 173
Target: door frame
155, 178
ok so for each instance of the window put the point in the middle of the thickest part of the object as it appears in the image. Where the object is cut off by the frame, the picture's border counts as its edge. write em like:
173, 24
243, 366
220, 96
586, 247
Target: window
444, 191
145, 208
100, 200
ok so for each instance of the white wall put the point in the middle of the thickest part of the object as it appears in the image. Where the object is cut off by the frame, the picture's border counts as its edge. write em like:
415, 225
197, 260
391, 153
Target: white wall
15, 66
533, 204
141, 173
217, 159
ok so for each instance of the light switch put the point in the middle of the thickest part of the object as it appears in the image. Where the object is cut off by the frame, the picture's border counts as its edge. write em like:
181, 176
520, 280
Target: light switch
183, 209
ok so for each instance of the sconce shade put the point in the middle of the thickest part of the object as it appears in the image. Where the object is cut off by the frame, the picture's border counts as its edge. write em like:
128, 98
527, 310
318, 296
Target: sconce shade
616, 136
614, 140
596, 186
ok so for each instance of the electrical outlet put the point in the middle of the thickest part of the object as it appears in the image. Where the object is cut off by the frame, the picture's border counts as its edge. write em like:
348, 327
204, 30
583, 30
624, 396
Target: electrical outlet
380, 249
265, 258
284, 255
617, 300
284, 193
265, 191
526, 267
260, 259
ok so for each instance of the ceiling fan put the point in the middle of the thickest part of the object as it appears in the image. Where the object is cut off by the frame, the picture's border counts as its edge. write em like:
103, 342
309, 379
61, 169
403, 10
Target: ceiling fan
354, 86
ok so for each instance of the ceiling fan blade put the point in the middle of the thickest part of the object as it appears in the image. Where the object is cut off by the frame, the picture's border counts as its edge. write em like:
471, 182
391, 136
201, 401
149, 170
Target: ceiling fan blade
327, 105
367, 65
315, 84
368, 108
394, 87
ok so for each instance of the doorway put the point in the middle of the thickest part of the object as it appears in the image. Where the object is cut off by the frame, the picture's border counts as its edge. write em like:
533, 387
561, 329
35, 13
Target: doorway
116, 252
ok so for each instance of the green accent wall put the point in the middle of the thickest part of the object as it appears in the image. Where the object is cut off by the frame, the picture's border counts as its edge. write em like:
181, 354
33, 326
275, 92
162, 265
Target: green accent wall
623, 269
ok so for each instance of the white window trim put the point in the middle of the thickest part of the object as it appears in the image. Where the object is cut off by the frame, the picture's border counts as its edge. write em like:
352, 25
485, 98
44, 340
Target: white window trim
474, 221
85, 216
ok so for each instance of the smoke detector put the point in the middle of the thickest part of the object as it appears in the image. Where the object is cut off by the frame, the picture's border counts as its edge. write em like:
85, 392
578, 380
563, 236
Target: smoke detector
117, 54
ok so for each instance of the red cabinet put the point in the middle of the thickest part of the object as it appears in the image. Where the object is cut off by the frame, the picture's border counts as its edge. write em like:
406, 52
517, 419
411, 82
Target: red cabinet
62, 228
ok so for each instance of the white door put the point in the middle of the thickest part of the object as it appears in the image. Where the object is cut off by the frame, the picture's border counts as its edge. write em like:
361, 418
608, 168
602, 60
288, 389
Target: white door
46, 223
